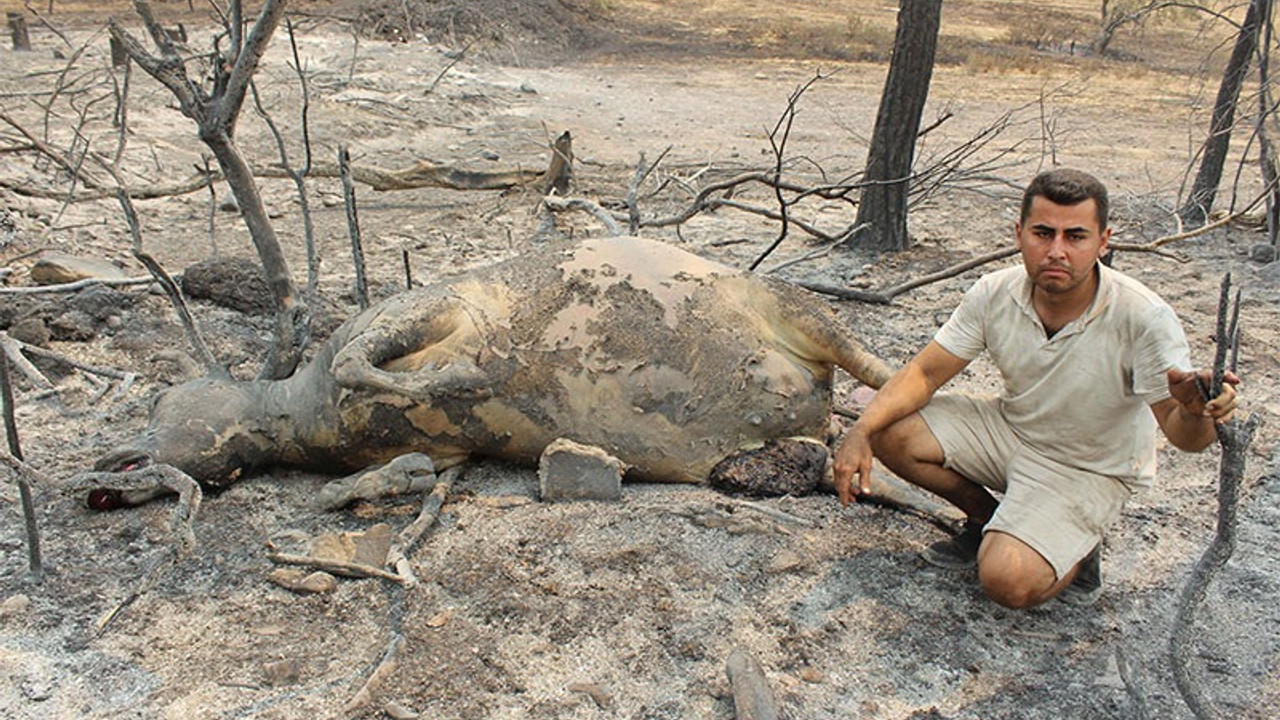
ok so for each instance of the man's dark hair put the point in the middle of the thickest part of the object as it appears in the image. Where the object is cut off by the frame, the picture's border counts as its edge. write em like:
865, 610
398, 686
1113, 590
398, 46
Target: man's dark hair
1065, 186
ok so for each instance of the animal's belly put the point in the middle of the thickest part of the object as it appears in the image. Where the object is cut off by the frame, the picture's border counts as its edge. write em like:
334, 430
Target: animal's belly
666, 424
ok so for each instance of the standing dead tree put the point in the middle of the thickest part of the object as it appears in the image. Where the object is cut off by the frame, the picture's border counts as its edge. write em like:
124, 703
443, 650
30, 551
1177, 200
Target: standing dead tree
1116, 14
1195, 211
215, 111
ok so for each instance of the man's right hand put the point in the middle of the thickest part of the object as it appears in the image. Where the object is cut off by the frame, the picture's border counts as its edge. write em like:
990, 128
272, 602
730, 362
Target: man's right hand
853, 461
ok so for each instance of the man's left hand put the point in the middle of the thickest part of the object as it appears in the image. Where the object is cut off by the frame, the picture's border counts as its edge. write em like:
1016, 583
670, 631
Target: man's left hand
1185, 389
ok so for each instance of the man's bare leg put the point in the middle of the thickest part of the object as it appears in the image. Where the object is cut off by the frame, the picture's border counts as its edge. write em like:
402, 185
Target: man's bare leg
1013, 574
910, 450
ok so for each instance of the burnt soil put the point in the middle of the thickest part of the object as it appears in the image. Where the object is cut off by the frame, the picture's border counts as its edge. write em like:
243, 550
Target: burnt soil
626, 609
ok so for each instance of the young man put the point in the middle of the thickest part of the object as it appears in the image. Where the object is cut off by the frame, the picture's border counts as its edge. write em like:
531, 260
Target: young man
1092, 362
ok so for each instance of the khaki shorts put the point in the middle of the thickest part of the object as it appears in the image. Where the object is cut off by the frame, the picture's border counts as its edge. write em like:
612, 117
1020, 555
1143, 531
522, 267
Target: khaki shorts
1060, 511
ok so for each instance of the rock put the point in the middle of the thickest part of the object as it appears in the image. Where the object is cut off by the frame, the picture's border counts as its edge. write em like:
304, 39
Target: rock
235, 283
317, 583
14, 605
365, 548
73, 326
1263, 253
811, 675
31, 331
293, 579
281, 672
100, 302
785, 561
397, 711
57, 268
572, 471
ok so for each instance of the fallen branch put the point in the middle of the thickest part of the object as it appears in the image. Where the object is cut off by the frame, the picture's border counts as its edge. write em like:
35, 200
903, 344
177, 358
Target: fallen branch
340, 567
73, 286
12, 348
380, 673
561, 204
398, 553
752, 698
121, 375
884, 297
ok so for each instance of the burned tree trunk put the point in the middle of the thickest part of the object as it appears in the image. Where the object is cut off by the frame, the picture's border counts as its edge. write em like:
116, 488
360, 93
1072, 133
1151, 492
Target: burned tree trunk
18, 31
883, 205
215, 113
1195, 211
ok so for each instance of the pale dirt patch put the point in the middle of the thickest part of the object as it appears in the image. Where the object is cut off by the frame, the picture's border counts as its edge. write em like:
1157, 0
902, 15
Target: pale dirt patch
522, 601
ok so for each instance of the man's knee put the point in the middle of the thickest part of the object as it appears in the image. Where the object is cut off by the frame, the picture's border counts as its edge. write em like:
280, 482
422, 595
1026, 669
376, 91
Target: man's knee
906, 439
1012, 573
1011, 590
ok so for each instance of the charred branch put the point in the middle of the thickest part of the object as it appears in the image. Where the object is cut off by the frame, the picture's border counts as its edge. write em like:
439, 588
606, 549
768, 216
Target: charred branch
1234, 437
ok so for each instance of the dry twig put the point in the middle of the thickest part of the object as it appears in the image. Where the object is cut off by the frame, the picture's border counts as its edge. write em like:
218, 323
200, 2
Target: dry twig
402, 546
339, 567
385, 667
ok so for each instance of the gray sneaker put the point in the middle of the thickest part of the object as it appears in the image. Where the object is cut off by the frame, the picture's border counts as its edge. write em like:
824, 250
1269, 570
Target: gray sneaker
958, 553
1086, 588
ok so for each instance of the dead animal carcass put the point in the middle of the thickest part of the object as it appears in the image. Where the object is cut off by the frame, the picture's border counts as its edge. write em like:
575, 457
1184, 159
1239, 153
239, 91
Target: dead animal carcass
667, 361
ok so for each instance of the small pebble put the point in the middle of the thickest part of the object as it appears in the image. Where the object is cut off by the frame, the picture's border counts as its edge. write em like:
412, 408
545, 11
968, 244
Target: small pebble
281, 672
14, 606
397, 711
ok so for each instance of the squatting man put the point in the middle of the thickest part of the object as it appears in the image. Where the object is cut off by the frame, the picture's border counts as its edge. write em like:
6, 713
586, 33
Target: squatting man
1092, 361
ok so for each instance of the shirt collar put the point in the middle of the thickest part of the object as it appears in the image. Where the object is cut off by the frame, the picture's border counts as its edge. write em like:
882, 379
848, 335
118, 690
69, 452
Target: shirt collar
1102, 297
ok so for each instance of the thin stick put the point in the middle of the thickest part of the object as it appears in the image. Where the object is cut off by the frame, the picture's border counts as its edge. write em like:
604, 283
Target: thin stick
1234, 437
340, 567
774, 513
34, 563
398, 553
353, 226
380, 673
73, 286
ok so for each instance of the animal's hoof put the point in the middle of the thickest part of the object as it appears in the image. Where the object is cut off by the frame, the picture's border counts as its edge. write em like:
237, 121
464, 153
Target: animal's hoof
411, 472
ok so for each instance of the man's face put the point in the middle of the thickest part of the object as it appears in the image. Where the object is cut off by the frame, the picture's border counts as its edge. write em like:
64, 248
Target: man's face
1061, 243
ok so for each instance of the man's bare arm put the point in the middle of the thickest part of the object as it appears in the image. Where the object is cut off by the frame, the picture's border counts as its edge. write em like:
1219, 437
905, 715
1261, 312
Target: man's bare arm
907, 391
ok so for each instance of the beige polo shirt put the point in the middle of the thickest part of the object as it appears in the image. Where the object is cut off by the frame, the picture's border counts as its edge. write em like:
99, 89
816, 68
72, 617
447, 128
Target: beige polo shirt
1082, 396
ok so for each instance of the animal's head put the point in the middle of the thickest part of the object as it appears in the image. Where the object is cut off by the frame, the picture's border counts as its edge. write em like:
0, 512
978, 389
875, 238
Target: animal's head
210, 428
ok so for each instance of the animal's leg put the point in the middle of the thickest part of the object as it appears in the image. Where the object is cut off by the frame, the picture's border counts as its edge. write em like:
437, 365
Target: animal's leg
421, 352
411, 472
138, 484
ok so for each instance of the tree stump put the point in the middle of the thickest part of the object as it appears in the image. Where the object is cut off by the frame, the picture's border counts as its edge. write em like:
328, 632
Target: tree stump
18, 30
119, 57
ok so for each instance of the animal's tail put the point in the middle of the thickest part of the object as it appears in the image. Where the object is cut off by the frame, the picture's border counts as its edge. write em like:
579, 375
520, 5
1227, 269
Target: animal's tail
862, 364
